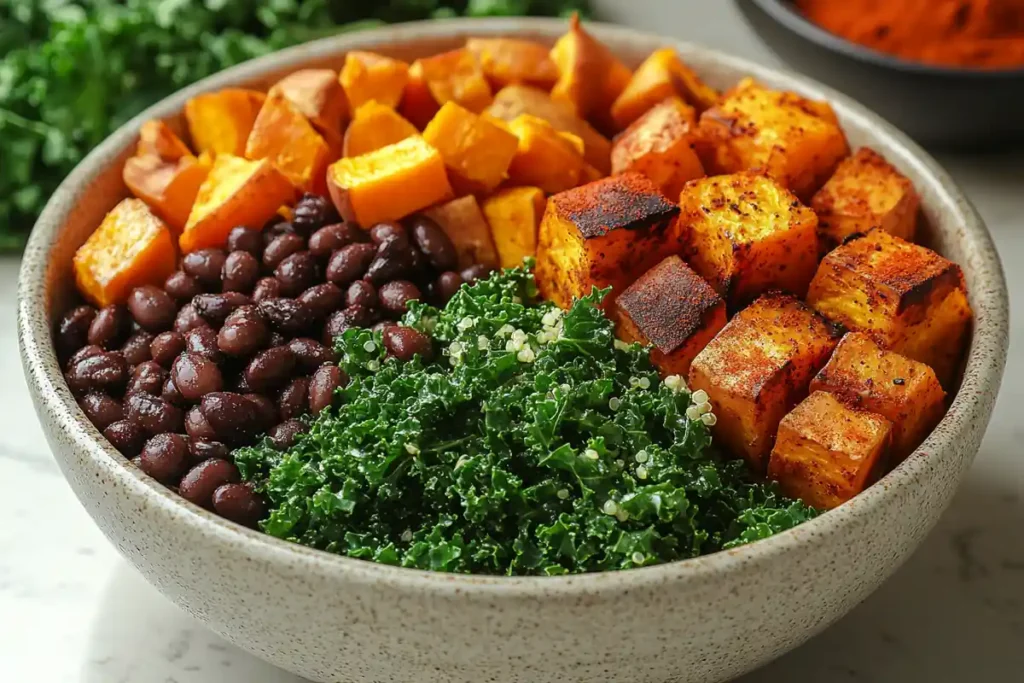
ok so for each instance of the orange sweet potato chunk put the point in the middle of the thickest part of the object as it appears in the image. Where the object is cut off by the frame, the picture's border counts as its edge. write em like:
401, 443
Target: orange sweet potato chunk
157, 139
368, 76
317, 94
476, 151
375, 126
168, 187
236, 192
547, 158
390, 183
509, 60
662, 75
514, 215
456, 76
465, 224
220, 122
131, 247
418, 105
284, 136
590, 76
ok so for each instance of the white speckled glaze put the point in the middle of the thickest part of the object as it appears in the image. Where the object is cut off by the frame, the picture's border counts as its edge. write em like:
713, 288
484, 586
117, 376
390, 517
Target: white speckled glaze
337, 619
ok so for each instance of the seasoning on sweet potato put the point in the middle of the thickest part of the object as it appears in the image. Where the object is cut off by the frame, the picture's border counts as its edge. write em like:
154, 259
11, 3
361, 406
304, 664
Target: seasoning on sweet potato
389, 183
131, 247
514, 216
318, 95
660, 145
168, 187
220, 122
476, 151
236, 192
418, 105
546, 158
157, 139
510, 60
284, 136
369, 76
661, 75
455, 76
514, 100
375, 126
590, 76
464, 223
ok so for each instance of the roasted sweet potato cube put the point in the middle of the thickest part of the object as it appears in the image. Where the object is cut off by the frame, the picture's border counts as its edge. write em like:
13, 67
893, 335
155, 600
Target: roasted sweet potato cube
514, 215
284, 136
795, 140
604, 234
456, 76
590, 76
168, 187
476, 151
509, 60
369, 76
661, 75
389, 183
864, 193
760, 366
672, 309
220, 122
375, 126
545, 157
660, 145
418, 106
904, 391
318, 95
132, 247
514, 100
237, 191
157, 139
906, 297
827, 452
467, 228
746, 235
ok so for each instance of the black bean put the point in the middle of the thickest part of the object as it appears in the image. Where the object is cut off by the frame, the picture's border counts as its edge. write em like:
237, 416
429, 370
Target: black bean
137, 349
105, 371
82, 354
361, 293
311, 212
277, 339
204, 449
297, 273
197, 426
241, 271
322, 386
241, 384
171, 394
266, 408
283, 435
166, 346
188, 319
242, 238
322, 299
404, 342
165, 458
281, 248
205, 265
388, 265
274, 228
153, 308
417, 262
270, 368
240, 504
182, 286
73, 331
339, 321
287, 315
389, 231
434, 242
350, 263
199, 483
152, 413
309, 353
126, 437
195, 376
266, 288
330, 238
148, 378
446, 285
102, 410
294, 398
203, 341
233, 417
244, 332
396, 295
477, 271
111, 327
214, 308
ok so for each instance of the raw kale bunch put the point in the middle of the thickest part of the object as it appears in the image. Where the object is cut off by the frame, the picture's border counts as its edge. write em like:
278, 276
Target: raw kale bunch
533, 443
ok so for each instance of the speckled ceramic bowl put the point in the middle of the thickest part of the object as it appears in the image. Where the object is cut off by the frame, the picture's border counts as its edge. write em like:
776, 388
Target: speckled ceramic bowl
337, 619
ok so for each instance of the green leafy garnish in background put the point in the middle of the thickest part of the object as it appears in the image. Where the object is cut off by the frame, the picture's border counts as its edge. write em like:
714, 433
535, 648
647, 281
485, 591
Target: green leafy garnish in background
533, 443
72, 72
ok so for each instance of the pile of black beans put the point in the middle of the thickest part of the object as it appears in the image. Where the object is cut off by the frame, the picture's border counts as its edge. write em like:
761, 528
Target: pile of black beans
238, 343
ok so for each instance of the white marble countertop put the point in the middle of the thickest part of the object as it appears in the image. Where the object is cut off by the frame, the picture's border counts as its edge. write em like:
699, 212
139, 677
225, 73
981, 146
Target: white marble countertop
72, 611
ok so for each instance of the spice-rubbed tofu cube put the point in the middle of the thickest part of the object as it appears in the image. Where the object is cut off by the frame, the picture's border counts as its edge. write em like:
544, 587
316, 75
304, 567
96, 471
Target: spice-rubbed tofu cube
659, 144
794, 139
865, 192
904, 391
746, 234
672, 309
603, 234
759, 367
827, 452
906, 297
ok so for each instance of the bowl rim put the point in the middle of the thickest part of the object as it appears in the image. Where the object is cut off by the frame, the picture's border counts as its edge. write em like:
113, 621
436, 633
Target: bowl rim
783, 12
982, 375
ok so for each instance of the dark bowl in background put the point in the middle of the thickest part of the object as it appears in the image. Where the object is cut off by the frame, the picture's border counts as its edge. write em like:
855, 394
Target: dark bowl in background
937, 106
